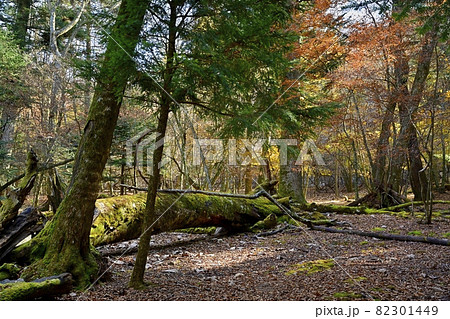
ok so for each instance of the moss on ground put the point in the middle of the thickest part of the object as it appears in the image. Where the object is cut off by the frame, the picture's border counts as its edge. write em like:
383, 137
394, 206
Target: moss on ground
346, 295
416, 233
355, 279
311, 267
198, 230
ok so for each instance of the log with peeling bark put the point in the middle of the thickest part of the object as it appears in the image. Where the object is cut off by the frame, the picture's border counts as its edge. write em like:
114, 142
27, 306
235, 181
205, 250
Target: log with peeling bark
29, 222
43, 288
421, 239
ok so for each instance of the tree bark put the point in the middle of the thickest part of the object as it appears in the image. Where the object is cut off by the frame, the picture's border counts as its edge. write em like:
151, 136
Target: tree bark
150, 216
63, 245
409, 102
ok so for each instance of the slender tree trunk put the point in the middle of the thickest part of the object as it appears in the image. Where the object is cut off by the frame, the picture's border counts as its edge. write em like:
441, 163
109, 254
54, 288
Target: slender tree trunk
63, 245
137, 277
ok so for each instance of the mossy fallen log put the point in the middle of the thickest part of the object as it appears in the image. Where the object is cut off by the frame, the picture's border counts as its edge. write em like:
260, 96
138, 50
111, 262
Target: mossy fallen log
120, 218
41, 288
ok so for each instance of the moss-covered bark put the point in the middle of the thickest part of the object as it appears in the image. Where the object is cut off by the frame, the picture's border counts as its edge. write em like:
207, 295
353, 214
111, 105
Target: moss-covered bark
63, 245
121, 217
43, 288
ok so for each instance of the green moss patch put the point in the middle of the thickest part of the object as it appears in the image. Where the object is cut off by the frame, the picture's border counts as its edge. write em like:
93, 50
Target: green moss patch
198, 230
9, 271
346, 295
311, 267
268, 223
416, 233
355, 279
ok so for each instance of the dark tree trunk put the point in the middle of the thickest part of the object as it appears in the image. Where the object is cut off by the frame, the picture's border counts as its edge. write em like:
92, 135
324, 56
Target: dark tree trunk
63, 245
408, 104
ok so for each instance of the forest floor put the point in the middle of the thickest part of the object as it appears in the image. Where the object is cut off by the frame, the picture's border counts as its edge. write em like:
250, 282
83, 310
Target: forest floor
292, 265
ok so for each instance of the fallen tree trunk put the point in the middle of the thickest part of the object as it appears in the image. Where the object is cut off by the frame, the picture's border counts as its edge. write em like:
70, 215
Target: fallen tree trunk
120, 218
421, 239
40, 288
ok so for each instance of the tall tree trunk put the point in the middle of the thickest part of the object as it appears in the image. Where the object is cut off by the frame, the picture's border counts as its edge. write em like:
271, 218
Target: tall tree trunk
401, 72
408, 107
63, 245
137, 277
